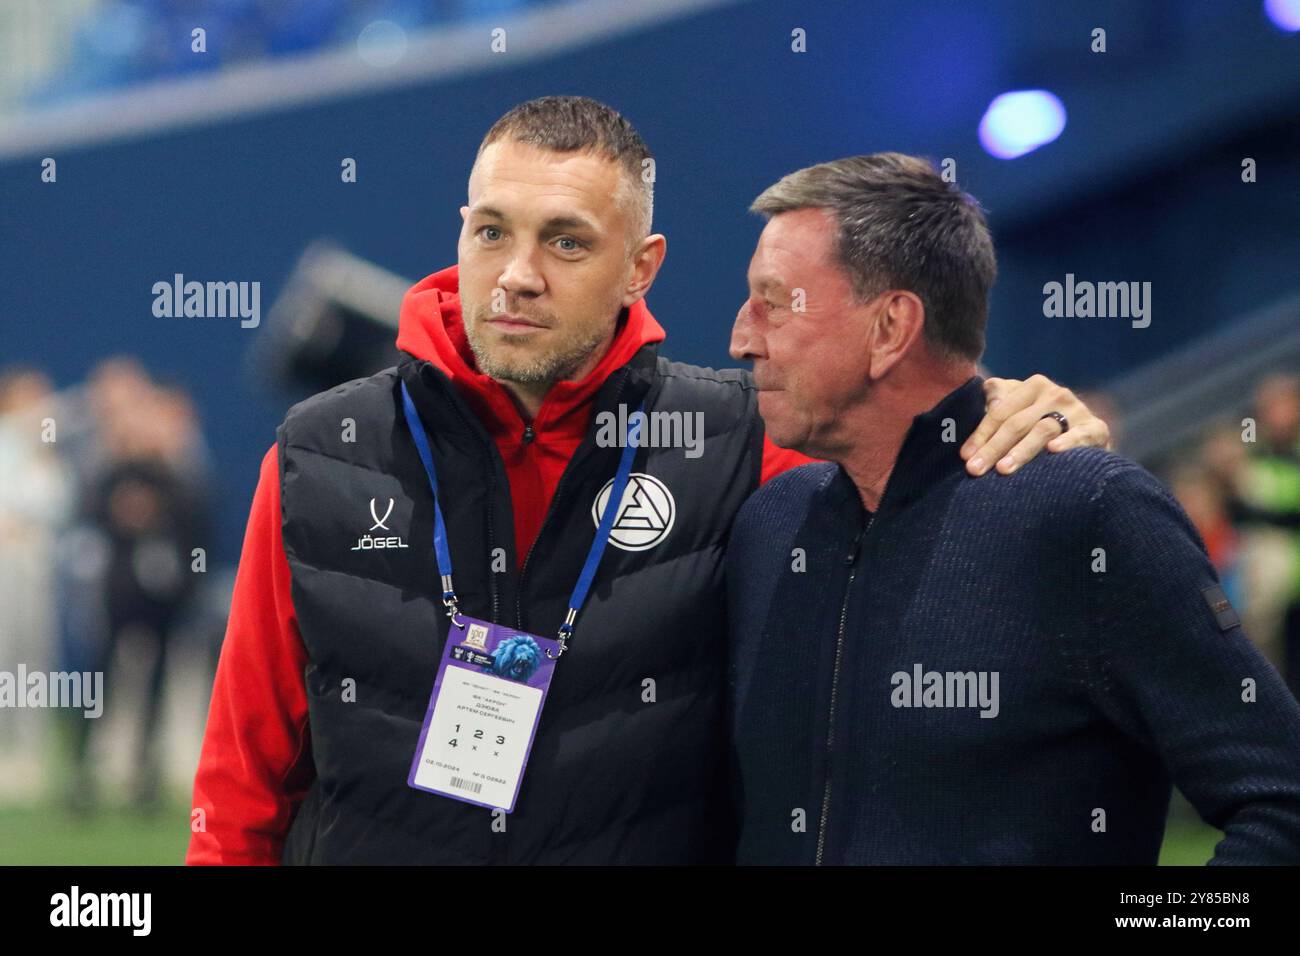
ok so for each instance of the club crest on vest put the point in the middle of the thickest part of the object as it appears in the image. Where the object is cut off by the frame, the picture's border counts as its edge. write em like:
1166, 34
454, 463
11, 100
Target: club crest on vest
645, 515
368, 542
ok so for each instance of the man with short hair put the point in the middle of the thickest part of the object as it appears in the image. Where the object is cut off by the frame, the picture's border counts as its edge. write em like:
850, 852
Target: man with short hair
511, 362
926, 668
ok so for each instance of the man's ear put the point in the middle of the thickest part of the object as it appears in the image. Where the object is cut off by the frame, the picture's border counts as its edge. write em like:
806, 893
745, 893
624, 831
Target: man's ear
899, 323
646, 260
464, 213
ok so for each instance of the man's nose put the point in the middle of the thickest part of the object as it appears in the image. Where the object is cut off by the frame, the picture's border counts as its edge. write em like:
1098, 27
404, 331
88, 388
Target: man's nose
743, 340
521, 275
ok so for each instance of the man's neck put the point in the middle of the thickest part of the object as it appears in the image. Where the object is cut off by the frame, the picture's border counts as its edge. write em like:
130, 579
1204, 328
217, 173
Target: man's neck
529, 396
878, 426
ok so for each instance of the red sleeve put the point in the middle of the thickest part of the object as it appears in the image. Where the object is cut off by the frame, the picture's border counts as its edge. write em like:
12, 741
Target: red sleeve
777, 459
255, 766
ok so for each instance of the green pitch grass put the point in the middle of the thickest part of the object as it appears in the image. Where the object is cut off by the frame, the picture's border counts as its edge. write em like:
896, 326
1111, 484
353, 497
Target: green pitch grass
50, 835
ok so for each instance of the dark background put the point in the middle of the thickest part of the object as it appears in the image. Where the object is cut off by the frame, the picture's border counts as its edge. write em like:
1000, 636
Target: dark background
1143, 185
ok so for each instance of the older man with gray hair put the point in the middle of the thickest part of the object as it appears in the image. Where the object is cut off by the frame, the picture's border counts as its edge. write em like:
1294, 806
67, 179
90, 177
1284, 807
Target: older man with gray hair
927, 667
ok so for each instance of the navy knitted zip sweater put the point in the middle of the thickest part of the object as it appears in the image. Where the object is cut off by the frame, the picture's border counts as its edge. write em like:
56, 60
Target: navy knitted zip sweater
1001, 670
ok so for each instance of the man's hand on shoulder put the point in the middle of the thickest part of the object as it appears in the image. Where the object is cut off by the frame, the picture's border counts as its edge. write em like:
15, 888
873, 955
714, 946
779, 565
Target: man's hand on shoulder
1014, 430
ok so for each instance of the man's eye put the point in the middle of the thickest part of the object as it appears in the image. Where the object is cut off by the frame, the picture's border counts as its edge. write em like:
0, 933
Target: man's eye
573, 244
490, 233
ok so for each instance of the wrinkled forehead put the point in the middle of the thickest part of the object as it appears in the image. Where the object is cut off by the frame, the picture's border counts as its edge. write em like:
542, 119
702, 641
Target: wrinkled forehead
795, 248
528, 184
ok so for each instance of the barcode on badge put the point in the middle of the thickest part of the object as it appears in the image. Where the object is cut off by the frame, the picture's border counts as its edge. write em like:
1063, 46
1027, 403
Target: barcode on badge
460, 783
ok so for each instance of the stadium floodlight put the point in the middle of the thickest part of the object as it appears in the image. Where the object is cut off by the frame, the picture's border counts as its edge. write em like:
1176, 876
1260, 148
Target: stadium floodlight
1285, 14
1019, 122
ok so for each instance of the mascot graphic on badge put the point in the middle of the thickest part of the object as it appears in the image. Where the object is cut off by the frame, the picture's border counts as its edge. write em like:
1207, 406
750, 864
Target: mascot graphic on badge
516, 658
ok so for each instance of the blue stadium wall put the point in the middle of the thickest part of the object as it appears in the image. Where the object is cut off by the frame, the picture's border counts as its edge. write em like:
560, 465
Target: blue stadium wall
727, 109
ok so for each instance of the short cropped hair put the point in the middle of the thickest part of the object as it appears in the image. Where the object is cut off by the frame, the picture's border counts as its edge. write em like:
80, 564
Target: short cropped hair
567, 124
901, 226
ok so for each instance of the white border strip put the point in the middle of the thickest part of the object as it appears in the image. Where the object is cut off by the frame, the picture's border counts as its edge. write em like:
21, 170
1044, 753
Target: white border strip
339, 72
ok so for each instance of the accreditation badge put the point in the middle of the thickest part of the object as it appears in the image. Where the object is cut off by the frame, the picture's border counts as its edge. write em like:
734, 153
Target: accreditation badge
483, 713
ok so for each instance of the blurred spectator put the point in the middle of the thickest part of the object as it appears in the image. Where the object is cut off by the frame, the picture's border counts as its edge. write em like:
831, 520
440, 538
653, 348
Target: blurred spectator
35, 499
1203, 498
1264, 477
145, 498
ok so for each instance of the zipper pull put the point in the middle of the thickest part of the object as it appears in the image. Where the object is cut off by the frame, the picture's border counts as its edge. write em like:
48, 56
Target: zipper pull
852, 556
529, 434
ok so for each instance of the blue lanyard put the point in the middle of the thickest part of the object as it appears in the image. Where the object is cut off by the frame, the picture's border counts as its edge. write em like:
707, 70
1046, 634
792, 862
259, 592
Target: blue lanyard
443, 553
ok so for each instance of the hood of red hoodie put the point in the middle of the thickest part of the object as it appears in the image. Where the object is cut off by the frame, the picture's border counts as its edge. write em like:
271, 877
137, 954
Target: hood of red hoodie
430, 327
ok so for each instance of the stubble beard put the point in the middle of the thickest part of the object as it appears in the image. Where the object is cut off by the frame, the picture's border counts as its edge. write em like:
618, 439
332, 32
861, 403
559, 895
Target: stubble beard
506, 362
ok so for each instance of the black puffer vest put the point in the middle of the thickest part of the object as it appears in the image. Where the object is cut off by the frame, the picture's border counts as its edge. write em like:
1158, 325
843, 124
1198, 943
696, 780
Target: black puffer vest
629, 758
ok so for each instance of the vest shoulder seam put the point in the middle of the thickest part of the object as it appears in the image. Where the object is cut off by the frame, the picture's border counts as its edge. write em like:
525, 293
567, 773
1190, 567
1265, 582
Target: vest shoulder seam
323, 399
324, 454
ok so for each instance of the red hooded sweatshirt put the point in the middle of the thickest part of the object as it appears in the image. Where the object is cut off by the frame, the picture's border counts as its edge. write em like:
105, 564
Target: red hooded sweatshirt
256, 765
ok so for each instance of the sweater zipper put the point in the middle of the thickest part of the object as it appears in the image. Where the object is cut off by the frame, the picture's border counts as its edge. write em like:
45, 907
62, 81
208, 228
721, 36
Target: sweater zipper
555, 507
529, 436
500, 853
852, 561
